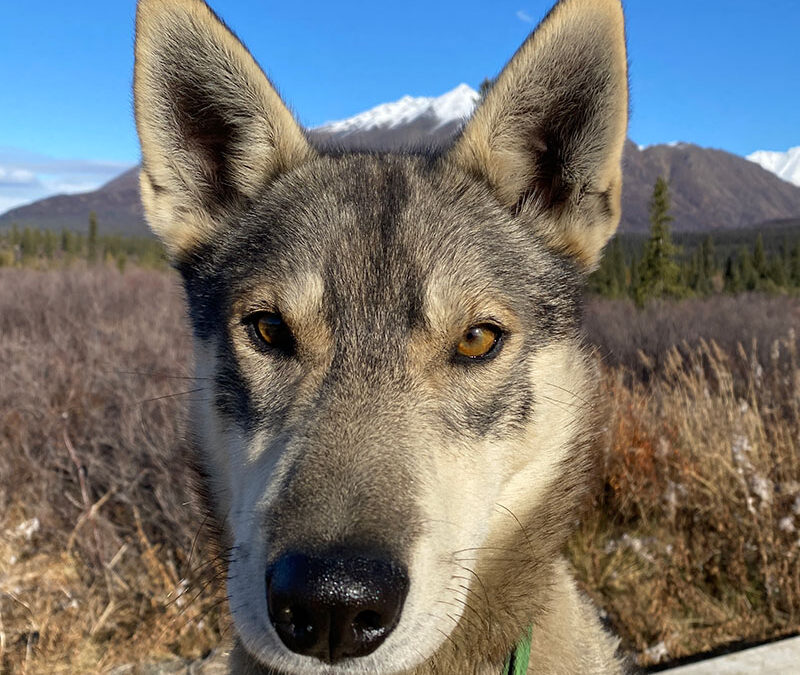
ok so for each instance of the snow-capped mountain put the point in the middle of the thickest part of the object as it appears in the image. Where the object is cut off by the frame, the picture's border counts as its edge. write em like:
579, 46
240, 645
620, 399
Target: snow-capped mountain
785, 165
454, 106
711, 189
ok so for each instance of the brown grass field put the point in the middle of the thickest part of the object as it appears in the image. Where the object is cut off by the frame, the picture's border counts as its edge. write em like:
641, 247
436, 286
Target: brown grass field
693, 543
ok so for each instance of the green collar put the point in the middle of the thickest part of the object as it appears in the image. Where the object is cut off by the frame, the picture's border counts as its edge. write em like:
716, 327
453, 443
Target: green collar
517, 661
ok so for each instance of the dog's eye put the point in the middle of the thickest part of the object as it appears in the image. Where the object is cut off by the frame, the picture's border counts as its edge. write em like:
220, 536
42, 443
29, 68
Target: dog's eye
271, 330
480, 341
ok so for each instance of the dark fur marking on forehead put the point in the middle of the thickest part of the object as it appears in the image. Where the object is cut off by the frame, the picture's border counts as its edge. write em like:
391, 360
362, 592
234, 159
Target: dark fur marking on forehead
374, 274
376, 194
427, 154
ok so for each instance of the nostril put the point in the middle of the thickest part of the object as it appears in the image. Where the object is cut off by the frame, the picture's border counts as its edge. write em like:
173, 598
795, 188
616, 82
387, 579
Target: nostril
368, 620
295, 622
368, 628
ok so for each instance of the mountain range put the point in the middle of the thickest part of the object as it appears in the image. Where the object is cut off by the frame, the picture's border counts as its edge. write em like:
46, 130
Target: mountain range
710, 189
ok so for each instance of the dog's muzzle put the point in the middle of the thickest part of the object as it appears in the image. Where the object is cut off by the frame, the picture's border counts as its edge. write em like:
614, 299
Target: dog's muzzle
337, 605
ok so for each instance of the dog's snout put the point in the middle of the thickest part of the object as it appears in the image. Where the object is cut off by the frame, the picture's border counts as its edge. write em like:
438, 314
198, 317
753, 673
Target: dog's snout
336, 606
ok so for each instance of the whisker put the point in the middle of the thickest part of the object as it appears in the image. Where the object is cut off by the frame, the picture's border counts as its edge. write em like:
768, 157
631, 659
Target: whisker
519, 523
160, 375
173, 395
570, 392
522, 558
452, 641
472, 624
562, 405
485, 548
485, 592
195, 538
466, 605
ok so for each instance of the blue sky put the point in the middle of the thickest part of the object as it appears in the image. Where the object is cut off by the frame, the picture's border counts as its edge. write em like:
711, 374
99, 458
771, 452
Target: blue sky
720, 73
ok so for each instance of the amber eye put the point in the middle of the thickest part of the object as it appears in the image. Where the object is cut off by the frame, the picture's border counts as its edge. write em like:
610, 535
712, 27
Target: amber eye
478, 341
271, 331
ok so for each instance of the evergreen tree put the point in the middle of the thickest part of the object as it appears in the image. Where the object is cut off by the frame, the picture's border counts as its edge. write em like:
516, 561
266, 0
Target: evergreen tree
598, 280
708, 264
27, 244
785, 255
659, 273
38, 240
112, 245
49, 243
79, 242
776, 272
618, 269
91, 251
759, 259
634, 278
692, 273
610, 278
794, 265
731, 277
747, 271
68, 244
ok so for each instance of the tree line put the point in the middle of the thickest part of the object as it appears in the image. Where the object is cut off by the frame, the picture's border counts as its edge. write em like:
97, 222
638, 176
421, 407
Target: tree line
632, 267
658, 268
32, 247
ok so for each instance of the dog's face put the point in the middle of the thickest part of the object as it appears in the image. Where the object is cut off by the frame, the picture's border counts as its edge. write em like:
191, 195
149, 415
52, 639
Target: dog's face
407, 366
388, 343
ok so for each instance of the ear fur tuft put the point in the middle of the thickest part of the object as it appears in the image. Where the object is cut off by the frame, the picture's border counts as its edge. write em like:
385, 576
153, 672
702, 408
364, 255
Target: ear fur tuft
213, 130
549, 136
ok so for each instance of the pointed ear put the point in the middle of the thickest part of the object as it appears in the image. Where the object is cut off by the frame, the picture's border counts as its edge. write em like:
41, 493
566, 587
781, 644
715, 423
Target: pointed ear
549, 136
213, 130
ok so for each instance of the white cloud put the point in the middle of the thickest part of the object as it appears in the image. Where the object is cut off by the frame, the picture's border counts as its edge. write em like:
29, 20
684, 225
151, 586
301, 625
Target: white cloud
522, 15
16, 176
27, 176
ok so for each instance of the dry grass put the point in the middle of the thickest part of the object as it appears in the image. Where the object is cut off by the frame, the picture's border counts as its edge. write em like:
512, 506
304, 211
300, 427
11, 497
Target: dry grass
692, 545
96, 537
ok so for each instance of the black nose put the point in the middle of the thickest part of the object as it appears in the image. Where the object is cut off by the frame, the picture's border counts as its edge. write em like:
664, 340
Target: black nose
335, 606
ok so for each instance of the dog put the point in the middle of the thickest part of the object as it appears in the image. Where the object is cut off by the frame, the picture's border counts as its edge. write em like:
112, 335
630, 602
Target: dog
402, 424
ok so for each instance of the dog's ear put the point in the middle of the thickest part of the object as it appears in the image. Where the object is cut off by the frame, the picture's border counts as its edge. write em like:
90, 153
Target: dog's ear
213, 130
548, 137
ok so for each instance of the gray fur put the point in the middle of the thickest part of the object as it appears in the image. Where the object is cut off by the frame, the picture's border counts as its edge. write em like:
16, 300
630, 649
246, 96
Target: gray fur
371, 431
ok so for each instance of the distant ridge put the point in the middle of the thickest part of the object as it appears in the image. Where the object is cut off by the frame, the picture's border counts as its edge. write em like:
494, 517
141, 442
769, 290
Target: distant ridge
116, 204
711, 189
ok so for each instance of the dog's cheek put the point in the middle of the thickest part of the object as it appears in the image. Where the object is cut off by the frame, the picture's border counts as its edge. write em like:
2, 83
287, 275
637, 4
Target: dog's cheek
254, 481
564, 384
456, 503
468, 479
208, 430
